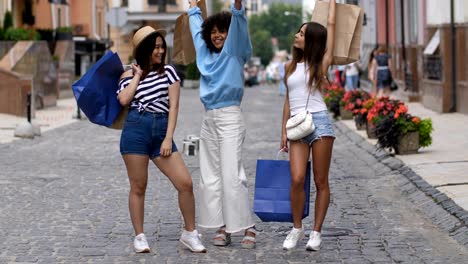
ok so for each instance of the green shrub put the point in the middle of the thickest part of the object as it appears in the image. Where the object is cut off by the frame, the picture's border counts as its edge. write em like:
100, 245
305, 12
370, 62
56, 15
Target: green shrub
191, 72
64, 29
425, 129
17, 34
7, 20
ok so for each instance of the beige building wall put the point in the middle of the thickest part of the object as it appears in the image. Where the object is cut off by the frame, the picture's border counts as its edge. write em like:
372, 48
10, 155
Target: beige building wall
123, 41
84, 15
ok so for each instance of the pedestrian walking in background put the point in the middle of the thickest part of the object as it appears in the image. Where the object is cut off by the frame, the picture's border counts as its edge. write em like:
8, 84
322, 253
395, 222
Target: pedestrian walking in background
151, 90
382, 63
341, 73
222, 44
372, 71
352, 76
312, 56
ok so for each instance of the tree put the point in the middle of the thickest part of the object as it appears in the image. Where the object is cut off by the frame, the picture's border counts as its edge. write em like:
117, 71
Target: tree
262, 47
7, 20
281, 21
217, 6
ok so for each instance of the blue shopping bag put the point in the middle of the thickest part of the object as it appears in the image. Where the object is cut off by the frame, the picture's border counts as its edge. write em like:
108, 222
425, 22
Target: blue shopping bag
272, 185
96, 91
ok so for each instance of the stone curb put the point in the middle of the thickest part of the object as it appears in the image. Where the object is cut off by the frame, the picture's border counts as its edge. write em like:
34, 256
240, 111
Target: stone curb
442, 210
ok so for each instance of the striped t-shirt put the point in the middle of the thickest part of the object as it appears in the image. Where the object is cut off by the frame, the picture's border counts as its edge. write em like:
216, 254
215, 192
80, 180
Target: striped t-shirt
152, 93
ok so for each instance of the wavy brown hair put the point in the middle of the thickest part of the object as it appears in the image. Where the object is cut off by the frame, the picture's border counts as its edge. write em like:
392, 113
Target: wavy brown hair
315, 45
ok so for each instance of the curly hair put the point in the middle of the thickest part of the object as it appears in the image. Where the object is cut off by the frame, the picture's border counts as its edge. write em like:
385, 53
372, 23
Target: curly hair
222, 21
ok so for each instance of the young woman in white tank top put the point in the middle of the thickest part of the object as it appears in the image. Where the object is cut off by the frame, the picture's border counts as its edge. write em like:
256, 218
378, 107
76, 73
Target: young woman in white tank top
312, 55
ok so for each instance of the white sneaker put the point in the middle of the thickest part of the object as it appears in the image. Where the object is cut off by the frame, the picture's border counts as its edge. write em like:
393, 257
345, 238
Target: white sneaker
192, 241
140, 244
293, 237
315, 239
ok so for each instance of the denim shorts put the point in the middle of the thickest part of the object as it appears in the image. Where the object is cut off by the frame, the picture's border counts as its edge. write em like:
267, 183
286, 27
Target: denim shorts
143, 133
323, 128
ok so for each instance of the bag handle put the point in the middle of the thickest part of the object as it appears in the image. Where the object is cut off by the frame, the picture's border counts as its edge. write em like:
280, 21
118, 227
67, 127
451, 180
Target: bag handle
279, 152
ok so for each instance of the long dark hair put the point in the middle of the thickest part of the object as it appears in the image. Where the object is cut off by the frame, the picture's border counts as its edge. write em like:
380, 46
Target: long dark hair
144, 53
315, 46
222, 21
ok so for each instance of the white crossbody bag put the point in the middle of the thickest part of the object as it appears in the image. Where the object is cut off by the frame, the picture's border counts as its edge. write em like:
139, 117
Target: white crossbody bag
300, 125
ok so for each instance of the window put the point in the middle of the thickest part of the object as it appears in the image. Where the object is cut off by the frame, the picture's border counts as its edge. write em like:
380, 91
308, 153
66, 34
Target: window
124, 3
254, 6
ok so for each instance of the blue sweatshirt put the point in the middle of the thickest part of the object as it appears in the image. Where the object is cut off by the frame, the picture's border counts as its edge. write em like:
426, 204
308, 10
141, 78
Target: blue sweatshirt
222, 74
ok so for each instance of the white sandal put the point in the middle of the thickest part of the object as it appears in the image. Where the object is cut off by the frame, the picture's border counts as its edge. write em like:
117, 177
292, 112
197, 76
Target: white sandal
249, 238
225, 237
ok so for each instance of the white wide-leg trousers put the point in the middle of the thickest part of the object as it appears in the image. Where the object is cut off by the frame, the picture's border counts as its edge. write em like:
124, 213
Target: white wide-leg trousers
223, 195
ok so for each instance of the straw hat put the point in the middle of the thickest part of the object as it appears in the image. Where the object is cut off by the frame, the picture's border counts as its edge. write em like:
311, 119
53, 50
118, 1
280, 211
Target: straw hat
143, 33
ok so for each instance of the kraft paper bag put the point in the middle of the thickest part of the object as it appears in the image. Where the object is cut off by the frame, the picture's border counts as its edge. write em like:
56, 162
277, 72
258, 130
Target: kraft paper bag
349, 20
184, 50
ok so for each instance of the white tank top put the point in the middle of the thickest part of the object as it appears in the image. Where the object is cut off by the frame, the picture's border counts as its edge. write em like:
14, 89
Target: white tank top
298, 93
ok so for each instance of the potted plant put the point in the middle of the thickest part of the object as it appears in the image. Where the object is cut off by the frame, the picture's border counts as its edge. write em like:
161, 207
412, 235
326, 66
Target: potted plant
63, 33
352, 104
333, 93
361, 117
192, 76
403, 132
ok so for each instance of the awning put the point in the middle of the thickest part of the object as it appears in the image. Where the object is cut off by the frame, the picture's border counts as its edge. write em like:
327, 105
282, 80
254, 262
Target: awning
152, 16
433, 44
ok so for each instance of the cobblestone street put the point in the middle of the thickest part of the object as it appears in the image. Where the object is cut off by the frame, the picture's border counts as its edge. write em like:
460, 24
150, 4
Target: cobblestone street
64, 200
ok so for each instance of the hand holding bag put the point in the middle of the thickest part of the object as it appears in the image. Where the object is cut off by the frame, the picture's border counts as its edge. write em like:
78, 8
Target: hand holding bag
184, 49
300, 125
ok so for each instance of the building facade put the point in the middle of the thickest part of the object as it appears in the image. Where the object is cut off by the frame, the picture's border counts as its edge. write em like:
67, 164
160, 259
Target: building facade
418, 34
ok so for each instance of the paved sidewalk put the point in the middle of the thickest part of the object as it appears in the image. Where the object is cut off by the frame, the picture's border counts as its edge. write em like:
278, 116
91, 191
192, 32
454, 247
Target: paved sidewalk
65, 201
48, 119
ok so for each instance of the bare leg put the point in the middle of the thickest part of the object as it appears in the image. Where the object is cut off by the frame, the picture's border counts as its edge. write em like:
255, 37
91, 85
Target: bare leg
175, 170
137, 169
321, 158
299, 155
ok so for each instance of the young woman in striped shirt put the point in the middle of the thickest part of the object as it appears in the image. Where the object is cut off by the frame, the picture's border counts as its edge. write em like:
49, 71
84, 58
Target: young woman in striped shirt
151, 90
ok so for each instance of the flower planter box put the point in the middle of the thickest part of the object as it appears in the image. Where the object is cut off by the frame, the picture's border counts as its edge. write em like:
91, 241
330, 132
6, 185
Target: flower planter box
408, 143
359, 125
345, 114
370, 131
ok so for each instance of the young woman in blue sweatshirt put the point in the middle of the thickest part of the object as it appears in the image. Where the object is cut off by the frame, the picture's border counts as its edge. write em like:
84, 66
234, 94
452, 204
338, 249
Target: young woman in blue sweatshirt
222, 44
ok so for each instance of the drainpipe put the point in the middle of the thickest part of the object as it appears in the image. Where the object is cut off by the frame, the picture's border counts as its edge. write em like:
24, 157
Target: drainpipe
386, 25
403, 48
52, 11
453, 101
93, 7
67, 16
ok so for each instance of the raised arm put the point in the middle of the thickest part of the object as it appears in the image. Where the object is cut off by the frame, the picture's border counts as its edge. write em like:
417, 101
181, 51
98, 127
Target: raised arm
328, 57
238, 4
238, 39
196, 21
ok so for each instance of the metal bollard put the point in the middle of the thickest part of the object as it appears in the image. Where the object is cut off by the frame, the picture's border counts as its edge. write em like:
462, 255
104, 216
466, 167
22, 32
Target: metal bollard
78, 112
28, 106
